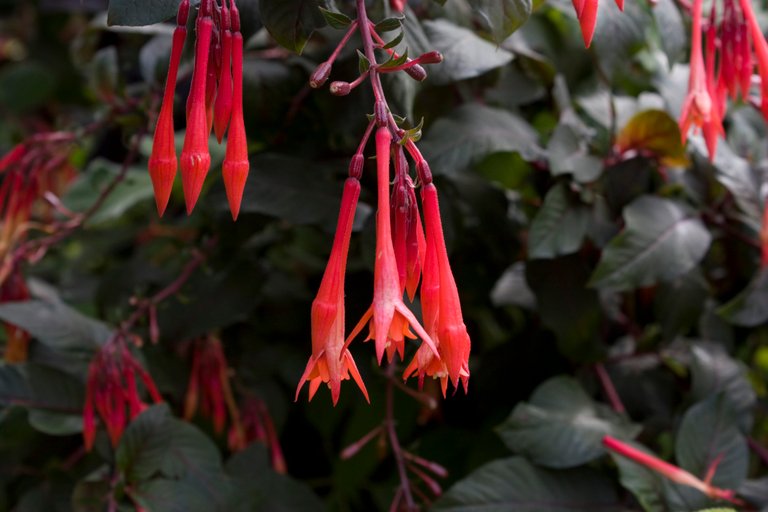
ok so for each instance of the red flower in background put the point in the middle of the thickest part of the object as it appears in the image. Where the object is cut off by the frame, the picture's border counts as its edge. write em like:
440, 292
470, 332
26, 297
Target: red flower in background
257, 425
208, 389
112, 392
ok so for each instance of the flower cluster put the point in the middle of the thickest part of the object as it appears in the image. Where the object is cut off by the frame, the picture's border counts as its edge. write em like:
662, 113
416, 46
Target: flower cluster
723, 67
34, 174
257, 425
209, 388
215, 103
112, 392
405, 254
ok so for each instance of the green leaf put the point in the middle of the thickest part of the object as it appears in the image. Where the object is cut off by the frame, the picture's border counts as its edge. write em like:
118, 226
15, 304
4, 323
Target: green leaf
260, 488
135, 188
465, 55
561, 426
104, 72
750, 307
654, 131
679, 303
502, 17
363, 64
389, 25
568, 150
515, 484
567, 305
137, 13
38, 387
559, 226
394, 42
710, 430
661, 241
55, 324
713, 371
292, 22
472, 132
336, 19
170, 465
619, 35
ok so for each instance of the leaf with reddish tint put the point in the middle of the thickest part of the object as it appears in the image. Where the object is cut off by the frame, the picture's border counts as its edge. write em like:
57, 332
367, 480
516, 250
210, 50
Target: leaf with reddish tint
655, 132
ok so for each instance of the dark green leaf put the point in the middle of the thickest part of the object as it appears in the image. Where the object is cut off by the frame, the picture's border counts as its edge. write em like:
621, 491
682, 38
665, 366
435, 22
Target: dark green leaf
713, 371
514, 484
389, 24
680, 303
292, 22
56, 324
561, 426
750, 307
559, 226
472, 132
661, 241
336, 19
138, 13
502, 17
465, 55
710, 432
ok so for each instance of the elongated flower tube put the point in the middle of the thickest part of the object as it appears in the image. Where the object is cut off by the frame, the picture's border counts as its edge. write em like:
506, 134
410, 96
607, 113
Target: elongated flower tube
223, 108
195, 158
236, 166
674, 473
407, 231
330, 361
390, 319
162, 161
454, 343
761, 52
699, 107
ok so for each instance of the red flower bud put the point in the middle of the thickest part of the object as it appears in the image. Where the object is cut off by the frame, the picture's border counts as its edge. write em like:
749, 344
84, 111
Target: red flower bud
195, 158
320, 75
340, 88
236, 165
162, 161
223, 107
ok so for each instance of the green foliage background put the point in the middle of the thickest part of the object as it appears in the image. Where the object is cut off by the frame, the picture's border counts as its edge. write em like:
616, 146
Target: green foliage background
580, 232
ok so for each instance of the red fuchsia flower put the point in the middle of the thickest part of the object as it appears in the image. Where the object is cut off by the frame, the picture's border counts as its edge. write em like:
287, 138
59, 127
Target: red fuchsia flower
761, 51
672, 472
162, 161
111, 389
236, 165
257, 425
14, 289
735, 58
700, 107
407, 231
223, 106
390, 319
209, 388
195, 158
452, 337
330, 361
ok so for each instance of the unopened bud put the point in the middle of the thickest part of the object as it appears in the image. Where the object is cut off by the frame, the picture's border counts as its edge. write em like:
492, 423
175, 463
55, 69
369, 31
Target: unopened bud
320, 75
417, 72
433, 57
356, 166
340, 88
183, 14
